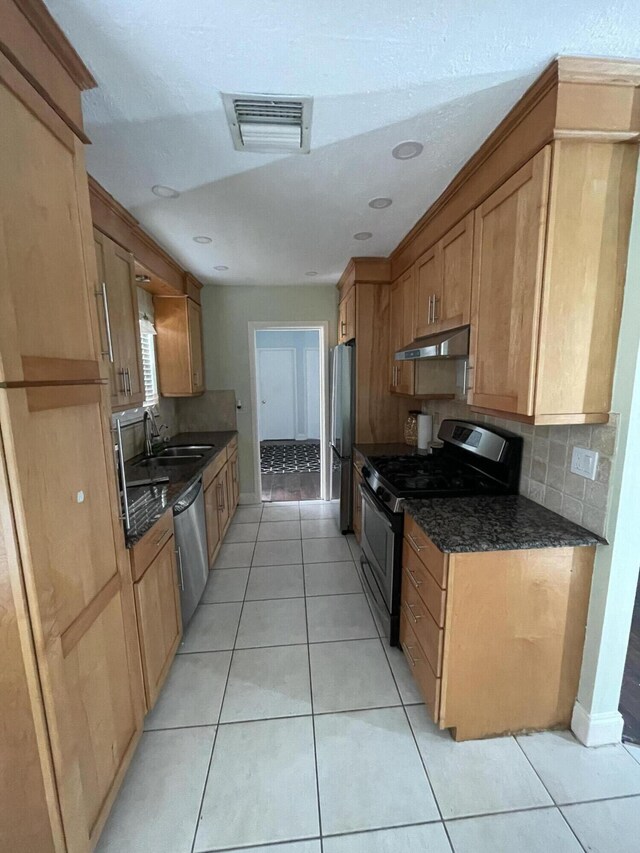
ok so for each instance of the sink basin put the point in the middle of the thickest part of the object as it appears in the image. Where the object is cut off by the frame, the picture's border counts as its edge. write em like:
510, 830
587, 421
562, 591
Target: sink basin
161, 461
185, 450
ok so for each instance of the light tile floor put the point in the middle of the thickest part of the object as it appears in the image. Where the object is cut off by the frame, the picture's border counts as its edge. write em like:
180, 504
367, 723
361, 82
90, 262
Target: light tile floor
287, 726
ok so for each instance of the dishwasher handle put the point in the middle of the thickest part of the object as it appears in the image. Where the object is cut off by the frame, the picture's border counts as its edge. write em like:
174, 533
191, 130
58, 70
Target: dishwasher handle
188, 498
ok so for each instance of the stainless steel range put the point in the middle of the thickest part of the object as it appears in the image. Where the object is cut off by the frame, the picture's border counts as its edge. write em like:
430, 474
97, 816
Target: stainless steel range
475, 459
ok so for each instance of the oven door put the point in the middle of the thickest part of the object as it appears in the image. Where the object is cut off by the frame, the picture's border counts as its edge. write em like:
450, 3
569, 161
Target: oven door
378, 541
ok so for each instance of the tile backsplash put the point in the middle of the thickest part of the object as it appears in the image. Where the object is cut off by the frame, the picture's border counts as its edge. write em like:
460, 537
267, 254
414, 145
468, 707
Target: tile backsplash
546, 476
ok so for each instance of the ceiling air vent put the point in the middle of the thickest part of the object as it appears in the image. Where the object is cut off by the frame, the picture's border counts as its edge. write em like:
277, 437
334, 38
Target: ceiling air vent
269, 123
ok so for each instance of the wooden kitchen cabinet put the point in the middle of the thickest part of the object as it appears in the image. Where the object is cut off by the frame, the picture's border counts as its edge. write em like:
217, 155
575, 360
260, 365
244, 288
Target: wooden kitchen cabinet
402, 301
120, 327
157, 598
178, 321
234, 481
494, 639
547, 285
224, 501
214, 537
443, 282
356, 522
71, 702
347, 317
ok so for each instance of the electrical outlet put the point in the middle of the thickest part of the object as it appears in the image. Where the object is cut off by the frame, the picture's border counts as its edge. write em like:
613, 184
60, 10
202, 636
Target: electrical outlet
584, 462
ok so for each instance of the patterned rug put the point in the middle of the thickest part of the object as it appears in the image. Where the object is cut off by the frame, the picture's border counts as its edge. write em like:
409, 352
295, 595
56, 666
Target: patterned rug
289, 458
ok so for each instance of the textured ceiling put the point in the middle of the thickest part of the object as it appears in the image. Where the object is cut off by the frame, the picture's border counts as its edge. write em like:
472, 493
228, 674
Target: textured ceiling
444, 72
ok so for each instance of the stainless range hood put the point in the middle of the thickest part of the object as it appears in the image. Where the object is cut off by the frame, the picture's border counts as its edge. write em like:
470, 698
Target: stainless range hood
451, 344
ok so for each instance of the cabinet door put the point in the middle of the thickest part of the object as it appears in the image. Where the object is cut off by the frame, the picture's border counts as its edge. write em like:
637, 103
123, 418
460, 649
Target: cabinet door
235, 482
452, 303
408, 307
428, 286
194, 314
159, 619
75, 570
507, 282
47, 282
125, 327
211, 503
221, 483
350, 314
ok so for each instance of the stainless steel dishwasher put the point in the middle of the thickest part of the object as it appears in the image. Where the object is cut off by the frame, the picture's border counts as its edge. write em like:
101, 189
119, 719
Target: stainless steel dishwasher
191, 543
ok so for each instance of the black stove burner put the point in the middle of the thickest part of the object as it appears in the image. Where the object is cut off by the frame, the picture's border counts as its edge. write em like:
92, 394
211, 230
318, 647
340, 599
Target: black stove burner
434, 473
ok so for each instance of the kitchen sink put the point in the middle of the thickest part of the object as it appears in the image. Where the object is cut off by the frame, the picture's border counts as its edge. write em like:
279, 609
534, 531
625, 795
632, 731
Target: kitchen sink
161, 461
185, 450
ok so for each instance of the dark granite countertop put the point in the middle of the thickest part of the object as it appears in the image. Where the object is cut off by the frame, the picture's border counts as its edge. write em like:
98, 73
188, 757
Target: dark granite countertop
148, 503
495, 523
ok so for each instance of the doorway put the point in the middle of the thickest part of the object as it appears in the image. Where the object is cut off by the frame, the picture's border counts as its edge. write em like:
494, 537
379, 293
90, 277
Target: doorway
289, 369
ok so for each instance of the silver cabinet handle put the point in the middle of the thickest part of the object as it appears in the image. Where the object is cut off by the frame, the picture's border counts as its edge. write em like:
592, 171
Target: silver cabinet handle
466, 385
412, 576
436, 301
123, 478
415, 544
179, 556
128, 390
107, 320
413, 661
429, 311
409, 610
123, 373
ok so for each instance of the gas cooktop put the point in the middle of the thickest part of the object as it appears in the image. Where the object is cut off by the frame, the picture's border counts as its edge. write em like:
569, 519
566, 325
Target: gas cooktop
474, 460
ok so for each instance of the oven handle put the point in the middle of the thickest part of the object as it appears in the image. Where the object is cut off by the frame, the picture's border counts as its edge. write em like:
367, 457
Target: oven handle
370, 498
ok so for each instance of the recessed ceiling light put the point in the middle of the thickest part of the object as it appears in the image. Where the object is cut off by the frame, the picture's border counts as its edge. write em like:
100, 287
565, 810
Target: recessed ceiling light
221, 268
407, 150
380, 203
311, 273
164, 192
363, 235
202, 239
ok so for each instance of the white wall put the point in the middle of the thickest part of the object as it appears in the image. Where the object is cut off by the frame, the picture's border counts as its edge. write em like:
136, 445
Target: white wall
226, 314
596, 719
299, 341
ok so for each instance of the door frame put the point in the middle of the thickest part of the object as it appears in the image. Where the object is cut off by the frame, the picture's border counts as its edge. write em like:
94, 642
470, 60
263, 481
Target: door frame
295, 386
322, 327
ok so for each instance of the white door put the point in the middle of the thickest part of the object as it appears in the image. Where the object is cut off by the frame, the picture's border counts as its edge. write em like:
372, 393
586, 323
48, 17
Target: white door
277, 393
312, 391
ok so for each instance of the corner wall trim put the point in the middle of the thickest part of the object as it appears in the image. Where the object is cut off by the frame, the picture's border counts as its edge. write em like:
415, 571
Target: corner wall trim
596, 729
249, 498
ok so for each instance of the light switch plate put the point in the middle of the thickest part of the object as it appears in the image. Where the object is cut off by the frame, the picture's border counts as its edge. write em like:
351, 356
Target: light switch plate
584, 462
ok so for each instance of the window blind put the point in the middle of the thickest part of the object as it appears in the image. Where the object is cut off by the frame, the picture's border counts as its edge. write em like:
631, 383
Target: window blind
149, 371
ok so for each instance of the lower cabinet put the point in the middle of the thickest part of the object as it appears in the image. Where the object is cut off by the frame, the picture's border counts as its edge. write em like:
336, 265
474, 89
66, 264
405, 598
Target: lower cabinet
221, 494
357, 503
494, 639
157, 599
211, 498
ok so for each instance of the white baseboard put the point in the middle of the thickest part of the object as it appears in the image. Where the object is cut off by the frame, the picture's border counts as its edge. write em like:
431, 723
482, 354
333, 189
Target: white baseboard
596, 729
249, 498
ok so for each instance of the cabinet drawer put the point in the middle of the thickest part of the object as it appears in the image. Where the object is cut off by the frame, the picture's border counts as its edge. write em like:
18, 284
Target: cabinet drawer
429, 635
213, 470
417, 574
144, 552
425, 677
435, 561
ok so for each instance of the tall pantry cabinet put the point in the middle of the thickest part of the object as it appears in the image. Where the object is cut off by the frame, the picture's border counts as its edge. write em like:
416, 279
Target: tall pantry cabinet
70, 681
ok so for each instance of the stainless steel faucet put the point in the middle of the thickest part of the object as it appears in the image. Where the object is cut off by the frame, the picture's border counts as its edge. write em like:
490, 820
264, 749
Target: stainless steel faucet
150, 432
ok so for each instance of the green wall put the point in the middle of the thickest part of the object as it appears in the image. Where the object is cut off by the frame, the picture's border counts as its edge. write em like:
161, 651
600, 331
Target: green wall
226, 314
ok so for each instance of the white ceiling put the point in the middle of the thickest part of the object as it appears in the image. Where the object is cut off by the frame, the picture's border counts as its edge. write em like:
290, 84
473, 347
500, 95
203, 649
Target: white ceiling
443, 72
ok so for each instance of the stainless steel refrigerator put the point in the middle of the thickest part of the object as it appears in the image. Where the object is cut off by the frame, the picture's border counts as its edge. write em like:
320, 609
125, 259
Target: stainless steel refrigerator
342, 429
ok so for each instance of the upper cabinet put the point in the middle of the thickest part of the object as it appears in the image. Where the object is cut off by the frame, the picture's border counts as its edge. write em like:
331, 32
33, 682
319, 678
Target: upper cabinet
528, 246
507, 284
178, 321
402, 303
443, 282
118, 311
549, 261
347, 317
